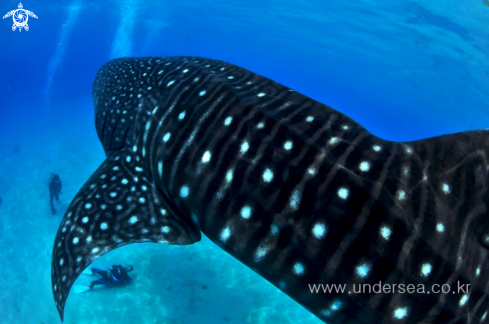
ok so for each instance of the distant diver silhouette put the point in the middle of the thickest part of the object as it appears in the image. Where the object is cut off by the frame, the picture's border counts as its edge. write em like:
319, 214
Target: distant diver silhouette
54, 184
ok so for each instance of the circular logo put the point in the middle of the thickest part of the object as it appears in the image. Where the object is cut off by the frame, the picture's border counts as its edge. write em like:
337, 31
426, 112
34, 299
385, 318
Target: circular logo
20, 18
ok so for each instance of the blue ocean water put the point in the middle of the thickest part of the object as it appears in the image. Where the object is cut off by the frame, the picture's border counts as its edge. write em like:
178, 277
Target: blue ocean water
405, 70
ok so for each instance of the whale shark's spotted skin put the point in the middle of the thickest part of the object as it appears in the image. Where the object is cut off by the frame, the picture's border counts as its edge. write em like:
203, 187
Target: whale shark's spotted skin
297, 191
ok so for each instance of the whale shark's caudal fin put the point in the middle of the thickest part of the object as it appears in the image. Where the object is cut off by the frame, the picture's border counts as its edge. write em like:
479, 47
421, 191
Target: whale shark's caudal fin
118, 205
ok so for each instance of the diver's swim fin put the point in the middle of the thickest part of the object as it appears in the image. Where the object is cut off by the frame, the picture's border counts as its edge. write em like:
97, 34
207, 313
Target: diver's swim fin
87, 272
81, 289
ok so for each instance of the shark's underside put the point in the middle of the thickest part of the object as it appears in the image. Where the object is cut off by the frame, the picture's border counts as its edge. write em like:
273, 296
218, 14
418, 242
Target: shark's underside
297, 191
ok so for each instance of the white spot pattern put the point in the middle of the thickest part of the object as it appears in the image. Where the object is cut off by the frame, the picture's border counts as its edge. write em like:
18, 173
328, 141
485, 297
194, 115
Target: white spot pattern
244, 147
364, 166
362, 270
288, 145
184, 190
333, 140
225, 234
319, 230
446, 188
294, 199
400, 313
401, 195
299, 269
229, 176
206, 157
246, 212
260, 253
425, 269
267, 175
343, 193
440, 227
228, 121
385, 232
463, 300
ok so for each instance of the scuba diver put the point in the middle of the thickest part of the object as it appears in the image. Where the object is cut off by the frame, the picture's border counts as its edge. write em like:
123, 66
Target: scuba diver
54, 184
116, 276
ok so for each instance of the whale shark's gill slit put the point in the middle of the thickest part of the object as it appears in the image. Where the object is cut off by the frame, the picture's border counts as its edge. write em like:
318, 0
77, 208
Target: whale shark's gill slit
102, 132
117, 134
295, 190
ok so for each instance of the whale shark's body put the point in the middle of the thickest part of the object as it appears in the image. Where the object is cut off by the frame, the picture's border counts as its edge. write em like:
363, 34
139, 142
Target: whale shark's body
297, 191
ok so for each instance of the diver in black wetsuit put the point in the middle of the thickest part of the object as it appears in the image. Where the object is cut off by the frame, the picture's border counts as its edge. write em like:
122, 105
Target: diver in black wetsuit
116, 275
54, 190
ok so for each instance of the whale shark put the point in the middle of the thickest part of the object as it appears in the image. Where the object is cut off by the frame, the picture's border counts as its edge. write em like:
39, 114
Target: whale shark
355, 228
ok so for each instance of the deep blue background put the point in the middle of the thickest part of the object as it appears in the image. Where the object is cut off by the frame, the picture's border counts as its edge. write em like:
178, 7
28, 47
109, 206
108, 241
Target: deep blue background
405, 70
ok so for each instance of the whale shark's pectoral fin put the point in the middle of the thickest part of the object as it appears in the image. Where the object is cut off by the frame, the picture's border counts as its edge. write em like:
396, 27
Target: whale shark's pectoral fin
119, 205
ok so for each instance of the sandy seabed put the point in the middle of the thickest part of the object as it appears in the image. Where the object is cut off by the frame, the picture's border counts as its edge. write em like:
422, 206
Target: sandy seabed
195, 284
